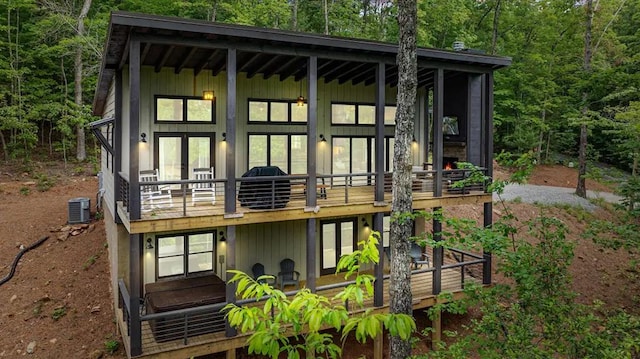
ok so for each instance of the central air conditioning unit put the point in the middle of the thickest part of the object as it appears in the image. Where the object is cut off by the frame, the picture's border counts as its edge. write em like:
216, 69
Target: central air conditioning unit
79, 210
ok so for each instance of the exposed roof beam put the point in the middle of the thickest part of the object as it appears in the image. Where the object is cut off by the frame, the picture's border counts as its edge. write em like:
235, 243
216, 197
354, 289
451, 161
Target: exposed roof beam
125, 55
218, 65
293, 68
145, 52
204, 63
365, 76
328, 75
280, 68
186, 59
348, 75
247, 64
263, 67
164, 58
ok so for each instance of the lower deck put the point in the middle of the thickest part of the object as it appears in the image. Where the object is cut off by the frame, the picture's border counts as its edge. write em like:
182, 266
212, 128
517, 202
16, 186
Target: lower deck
453, 280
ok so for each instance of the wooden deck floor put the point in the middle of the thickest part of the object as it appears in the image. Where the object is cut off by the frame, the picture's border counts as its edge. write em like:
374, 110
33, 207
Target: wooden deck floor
421, 285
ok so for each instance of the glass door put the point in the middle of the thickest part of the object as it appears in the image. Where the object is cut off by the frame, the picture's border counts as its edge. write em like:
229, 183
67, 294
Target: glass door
177, 154
338, 238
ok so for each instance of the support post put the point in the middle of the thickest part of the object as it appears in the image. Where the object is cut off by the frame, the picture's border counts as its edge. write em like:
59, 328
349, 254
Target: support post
438, 254
488, 150
231, 354
231, 264
438, 108
134, 128
312, 130
436, 334
311, 254
117, 145
378, 345
135, 275
379, 131
230, 188
378, 286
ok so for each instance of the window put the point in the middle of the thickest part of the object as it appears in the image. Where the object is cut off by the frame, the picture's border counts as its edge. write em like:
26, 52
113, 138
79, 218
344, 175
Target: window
184, 109
360, 114
177, 154
357, 155
289, 152
268, 111
183, 255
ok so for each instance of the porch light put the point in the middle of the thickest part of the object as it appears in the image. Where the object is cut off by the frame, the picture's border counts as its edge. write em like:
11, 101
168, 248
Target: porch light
222, 239
414, 139
300, 101
208, 95
224, 139
365, 223
322, 139
149, 244
143, 137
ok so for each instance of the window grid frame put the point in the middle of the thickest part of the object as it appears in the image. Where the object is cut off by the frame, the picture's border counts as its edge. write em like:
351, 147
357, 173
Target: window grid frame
185, 114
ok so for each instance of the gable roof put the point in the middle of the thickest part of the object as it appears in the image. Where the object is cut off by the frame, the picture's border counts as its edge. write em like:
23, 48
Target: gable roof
195, 44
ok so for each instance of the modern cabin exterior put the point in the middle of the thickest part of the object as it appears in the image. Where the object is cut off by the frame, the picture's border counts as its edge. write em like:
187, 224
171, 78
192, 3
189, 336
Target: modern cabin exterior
319, 108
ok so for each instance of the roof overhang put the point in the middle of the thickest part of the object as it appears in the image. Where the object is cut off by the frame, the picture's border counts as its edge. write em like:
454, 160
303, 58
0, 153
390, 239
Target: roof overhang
183, 43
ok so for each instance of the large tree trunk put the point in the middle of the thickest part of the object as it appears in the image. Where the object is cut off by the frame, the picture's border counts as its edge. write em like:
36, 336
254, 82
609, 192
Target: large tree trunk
496, 18
326, 17
81, 151
400, 287
581, 188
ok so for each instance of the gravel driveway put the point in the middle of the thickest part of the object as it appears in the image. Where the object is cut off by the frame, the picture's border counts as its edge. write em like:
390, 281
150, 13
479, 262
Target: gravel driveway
553, 195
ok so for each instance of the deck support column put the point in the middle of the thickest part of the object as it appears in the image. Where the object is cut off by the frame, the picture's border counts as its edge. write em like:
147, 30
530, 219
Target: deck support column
230, 187
378, 286
438, 254
488, 164
311, 254
312, 131
231, 264
230, 354
135, 275
438, 110
379, 132
134, 128
378, 345
117, 145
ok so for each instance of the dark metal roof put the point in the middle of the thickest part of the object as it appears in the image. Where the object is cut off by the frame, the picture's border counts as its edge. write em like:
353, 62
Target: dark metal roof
194, 44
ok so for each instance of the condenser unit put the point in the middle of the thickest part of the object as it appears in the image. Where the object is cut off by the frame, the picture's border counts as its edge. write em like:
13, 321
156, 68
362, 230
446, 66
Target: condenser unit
79, 210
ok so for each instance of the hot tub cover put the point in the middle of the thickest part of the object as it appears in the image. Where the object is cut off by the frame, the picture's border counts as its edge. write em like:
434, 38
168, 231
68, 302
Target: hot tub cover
267, 194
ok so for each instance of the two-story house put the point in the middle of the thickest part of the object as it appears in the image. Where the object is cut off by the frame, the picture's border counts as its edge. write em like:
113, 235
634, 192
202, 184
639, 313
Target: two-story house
234, 147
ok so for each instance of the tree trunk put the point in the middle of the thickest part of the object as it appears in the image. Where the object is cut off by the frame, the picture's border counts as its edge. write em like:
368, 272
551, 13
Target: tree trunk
81, 151
326, 18
294, 15
400, 231
496, 17
581, 188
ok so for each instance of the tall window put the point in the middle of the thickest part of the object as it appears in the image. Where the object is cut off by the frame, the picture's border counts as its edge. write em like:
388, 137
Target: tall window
357, 155
338, 238
183, 255
289, 152
177, 154
270, 111
360, 114
184, 109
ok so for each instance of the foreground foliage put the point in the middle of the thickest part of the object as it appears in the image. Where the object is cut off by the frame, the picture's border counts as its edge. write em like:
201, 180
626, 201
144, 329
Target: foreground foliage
294, 325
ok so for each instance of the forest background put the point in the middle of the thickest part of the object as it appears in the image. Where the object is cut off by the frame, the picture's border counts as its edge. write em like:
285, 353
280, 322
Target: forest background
50, 52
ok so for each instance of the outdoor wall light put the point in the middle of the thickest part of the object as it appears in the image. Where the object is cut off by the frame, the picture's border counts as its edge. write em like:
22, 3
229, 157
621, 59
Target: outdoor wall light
414, 139
365, 223
208, 95
322, 139
224, 137
300, 101
222, 239
143, 137
149, 244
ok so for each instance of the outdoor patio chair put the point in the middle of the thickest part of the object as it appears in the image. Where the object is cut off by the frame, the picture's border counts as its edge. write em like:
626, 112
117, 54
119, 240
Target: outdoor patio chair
258, 271
153, 196
418, 257
203, 191
287, 274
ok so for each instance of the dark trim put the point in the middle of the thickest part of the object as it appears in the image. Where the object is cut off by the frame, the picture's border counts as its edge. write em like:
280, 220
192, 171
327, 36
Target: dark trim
338, 237
312, 131
96, 129
438, 256
289, 122
379, 124
184, 109
378, 286
117, 144
438, 149
135, 283
230, 294
311, 254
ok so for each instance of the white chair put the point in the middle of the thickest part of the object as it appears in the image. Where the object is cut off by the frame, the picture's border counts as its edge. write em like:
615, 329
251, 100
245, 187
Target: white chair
153, 196
203, 191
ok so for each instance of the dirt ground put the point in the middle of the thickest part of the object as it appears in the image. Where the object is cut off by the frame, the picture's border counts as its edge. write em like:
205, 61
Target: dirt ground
69, 279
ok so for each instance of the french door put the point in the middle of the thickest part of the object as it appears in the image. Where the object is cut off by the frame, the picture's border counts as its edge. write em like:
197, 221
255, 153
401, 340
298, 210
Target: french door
177, 154
338, 237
